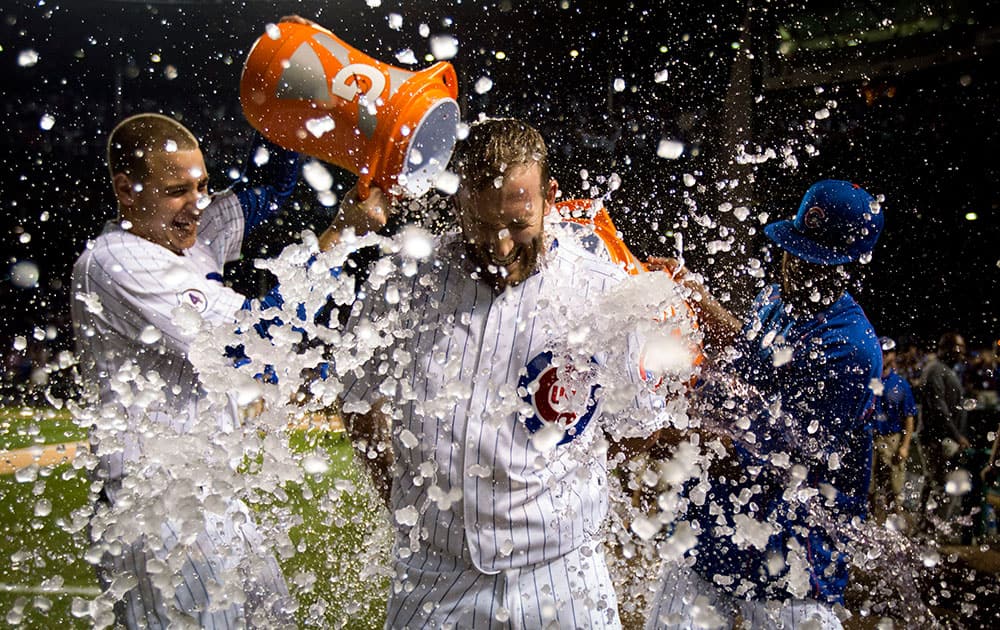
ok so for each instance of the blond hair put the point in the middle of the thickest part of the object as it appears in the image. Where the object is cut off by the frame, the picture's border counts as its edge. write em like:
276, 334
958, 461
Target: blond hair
134, 139
493, 146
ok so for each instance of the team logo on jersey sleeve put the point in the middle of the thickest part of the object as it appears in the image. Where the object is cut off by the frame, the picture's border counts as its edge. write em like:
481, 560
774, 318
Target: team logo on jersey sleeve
195, 299
558, 395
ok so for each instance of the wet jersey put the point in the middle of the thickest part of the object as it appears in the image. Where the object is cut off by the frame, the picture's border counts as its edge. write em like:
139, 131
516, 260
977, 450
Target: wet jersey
479, 380
767, 535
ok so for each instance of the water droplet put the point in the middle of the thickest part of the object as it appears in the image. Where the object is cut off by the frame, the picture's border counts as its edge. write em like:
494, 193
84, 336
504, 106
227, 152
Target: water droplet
24, 274
317, 176
315, 465
958, 482
483, 85
444, 47
150, 335
47, 122
406, 56
27, 58
273, 31
319, 126
43, 507
407, 516
447, 182
670, 149
417, 242
546, 438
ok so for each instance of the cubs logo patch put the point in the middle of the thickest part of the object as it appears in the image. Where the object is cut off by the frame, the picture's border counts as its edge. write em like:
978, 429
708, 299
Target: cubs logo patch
558, 395
195, 299
814, 217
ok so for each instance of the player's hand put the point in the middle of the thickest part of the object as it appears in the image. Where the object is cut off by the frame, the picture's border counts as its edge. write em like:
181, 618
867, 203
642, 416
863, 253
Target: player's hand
366, 216
679, 273
298, 19
901, 455
360, 216
964, 443
671, 265
715, 320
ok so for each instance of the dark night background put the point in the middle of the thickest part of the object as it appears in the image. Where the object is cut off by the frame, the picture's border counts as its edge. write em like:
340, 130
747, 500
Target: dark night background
911, 89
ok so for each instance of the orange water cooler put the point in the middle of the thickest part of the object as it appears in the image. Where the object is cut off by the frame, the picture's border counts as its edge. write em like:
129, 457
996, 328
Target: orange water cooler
307, 90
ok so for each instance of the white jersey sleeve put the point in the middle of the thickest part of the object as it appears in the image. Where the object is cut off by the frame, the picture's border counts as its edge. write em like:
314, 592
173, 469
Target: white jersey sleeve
222, 226
131, 289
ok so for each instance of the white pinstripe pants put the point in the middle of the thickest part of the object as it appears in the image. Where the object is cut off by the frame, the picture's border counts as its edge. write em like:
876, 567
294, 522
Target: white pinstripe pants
573, 591
685, 600
223, 552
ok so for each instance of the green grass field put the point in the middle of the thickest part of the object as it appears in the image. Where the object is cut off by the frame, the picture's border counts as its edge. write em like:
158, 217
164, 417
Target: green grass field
42, 545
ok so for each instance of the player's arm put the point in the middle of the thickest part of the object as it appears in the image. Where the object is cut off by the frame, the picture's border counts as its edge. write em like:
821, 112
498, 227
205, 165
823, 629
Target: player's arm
629, 448
371, 438
718, 324
904, 444
268, 180
151, 294
909, 409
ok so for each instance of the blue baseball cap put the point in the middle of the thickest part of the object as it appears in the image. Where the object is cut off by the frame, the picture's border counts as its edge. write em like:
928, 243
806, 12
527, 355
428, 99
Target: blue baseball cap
837, 223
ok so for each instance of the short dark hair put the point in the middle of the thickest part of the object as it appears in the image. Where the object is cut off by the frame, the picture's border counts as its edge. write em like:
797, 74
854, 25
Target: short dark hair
137, 137
493, 146
949, 341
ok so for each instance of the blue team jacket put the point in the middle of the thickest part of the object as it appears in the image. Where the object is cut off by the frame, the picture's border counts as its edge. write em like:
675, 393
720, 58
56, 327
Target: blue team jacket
815, 410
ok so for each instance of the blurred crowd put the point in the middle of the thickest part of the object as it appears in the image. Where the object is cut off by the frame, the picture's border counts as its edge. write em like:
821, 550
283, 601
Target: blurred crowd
948, 477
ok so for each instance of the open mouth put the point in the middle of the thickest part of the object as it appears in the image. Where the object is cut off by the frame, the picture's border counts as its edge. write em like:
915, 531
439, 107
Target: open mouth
185, 227
511, 258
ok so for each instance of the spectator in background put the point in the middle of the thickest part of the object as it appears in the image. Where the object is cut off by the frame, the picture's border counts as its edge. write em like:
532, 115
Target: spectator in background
943, 422
895, 414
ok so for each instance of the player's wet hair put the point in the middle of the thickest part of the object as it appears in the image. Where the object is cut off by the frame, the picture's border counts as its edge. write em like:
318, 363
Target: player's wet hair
134, 139
493, 146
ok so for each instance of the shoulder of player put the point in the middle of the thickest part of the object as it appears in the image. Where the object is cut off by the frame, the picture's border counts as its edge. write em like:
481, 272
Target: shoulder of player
225, 203
569, 250
848, 339
119, 251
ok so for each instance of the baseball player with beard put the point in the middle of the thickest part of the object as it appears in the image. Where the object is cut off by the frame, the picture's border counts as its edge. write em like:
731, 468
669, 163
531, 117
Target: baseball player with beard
502, 404
152, 269
774, 528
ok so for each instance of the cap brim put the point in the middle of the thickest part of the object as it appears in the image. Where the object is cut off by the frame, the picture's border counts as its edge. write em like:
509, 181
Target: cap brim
784, 234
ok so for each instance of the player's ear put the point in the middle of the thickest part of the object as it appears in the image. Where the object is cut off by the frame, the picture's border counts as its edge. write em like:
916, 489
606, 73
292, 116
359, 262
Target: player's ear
550, 195
124, 189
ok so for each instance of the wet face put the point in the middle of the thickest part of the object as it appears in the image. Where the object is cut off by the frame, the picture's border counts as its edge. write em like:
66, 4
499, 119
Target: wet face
504, 227
165, 206
810, 287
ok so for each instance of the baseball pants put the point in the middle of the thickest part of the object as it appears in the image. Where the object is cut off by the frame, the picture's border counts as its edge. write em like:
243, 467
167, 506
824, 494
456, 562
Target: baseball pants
225, 551
686, 600
573, 591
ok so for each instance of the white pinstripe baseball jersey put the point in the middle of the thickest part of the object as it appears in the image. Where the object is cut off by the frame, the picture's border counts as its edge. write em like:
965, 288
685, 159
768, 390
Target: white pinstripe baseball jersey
479, 381
134, 306
133, 299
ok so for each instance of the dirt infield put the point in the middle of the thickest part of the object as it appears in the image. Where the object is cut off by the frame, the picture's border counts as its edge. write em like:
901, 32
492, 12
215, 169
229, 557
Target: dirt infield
41, 455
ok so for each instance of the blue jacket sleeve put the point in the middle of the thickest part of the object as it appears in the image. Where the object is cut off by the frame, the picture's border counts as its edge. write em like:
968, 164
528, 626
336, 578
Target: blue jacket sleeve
264, 188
